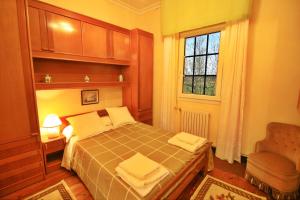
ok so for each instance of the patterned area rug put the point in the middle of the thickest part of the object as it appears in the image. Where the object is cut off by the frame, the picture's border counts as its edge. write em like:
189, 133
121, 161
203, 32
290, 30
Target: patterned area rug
60, 191
215, 189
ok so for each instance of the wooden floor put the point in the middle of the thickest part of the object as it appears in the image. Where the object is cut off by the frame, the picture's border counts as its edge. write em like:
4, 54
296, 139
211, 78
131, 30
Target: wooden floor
230, 173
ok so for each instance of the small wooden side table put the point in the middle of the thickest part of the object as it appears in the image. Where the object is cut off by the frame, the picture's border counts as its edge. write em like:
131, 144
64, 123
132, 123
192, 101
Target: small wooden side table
53, 152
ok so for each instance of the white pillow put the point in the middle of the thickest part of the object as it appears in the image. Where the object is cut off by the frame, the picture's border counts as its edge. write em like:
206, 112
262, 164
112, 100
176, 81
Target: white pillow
68, 132
120, 116
87, 125
106, 121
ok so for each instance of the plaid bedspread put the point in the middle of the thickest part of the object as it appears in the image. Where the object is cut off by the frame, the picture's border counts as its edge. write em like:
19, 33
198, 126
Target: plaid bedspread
96, 158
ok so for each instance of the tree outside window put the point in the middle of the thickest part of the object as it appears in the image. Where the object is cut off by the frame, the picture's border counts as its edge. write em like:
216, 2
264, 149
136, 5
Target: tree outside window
201, 64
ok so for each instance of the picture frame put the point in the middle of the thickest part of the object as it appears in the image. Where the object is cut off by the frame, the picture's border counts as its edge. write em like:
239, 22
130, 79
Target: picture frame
89, 97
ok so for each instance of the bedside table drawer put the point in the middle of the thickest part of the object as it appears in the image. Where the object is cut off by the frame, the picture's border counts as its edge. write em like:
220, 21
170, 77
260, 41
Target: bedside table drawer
54, 146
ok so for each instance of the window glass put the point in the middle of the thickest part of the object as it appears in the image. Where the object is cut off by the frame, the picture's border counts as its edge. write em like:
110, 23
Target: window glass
201, 44
189, 46
201, 64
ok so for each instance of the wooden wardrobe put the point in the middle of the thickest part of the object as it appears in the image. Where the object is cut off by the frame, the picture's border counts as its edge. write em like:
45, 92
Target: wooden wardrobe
127, 52
21, 161
138, 96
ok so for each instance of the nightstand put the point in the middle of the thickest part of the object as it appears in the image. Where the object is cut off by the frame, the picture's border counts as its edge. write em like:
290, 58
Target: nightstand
53, 152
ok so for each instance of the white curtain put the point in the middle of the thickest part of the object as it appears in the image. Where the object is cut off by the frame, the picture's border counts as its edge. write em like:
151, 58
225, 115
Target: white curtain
233, 92
169, 84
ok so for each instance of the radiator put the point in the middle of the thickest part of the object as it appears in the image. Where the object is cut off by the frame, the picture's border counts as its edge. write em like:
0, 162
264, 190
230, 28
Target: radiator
196, 123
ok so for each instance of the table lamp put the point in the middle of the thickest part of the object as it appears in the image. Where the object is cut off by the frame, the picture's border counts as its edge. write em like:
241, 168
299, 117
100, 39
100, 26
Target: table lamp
51, 124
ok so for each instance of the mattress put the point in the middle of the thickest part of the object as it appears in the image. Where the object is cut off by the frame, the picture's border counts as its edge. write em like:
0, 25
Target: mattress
95, 159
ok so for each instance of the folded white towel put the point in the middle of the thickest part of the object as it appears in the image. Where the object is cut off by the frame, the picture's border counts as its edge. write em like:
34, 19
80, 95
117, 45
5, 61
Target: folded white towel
161, 172
139, 166
188, 138
191, 148
143, 187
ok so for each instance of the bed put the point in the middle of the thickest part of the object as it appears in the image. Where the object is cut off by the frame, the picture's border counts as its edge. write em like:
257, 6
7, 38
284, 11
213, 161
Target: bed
94, 160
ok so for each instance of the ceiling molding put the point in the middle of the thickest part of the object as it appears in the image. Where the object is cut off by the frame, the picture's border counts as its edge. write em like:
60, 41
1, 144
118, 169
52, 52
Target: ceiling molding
150, 8
134, 9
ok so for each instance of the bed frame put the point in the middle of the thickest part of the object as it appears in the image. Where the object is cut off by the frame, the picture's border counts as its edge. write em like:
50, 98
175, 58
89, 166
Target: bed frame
185, 175
176, 185
64, 121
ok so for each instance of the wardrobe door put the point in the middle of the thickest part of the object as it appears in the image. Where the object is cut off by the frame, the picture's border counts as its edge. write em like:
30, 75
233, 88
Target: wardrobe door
138, 95
21, 161
17, 102
145, 72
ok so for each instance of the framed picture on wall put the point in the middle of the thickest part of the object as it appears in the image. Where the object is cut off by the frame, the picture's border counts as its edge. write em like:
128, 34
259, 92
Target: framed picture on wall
89, 97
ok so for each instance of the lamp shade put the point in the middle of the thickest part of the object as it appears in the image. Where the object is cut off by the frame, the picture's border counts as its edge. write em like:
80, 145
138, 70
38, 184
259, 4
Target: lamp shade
51, 120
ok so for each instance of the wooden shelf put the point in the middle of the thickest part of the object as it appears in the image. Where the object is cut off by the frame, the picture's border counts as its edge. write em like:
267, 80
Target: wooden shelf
70, 85
77, 58
54, 158
54, 161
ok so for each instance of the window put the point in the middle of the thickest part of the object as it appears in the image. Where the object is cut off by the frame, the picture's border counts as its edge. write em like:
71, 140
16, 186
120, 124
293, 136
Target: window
201, 64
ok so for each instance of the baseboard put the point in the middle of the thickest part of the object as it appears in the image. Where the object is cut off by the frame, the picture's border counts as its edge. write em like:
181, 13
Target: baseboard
243, 157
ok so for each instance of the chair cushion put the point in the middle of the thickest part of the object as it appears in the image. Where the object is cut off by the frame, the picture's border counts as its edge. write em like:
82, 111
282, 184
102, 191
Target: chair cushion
274, 162
274, 170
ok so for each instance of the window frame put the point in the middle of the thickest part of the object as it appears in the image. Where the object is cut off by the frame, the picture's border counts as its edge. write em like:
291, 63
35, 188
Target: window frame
181, 57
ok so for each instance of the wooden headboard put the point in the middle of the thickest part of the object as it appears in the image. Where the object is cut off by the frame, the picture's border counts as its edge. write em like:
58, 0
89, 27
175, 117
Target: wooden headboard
65, 123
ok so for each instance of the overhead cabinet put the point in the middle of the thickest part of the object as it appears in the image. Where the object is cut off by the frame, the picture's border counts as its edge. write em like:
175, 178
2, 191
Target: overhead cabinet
54, 33
38, 29
94, 39
121, 45
60, 34
64, 34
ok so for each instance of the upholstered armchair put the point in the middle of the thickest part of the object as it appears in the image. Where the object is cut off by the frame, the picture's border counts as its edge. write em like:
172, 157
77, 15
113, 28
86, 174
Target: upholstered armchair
275, 165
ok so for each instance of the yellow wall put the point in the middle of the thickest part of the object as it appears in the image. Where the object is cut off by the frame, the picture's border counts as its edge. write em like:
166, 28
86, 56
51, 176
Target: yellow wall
68, 102
273, 75
273, 70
